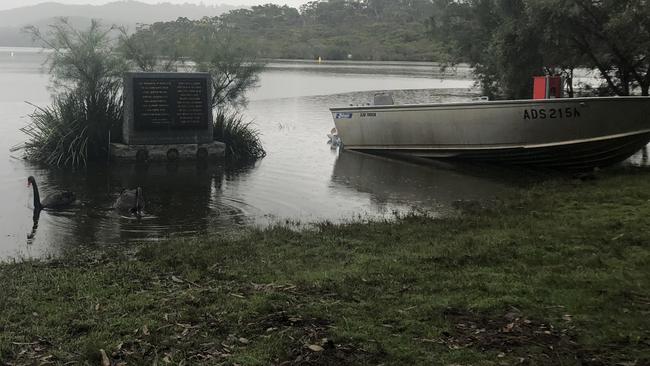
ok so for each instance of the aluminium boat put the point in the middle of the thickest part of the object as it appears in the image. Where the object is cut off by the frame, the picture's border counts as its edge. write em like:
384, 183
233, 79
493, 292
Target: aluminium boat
558, 133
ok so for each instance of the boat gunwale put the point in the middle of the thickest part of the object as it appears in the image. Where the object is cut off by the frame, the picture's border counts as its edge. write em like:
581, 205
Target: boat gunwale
490, 103
495, 147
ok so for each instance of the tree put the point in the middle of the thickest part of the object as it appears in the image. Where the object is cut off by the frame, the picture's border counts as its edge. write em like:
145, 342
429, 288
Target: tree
151, 48
228, 59
496, 38
508, 41
87, 101
209, 44
611, 36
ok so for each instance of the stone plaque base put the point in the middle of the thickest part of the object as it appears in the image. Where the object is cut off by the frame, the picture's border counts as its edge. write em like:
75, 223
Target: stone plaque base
168, 153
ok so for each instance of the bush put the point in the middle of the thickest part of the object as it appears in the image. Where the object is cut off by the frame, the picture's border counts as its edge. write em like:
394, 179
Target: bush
243, 143
71, 132
87, 102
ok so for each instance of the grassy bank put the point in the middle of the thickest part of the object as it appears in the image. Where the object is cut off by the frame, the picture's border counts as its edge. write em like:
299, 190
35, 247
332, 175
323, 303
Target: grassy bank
556, 276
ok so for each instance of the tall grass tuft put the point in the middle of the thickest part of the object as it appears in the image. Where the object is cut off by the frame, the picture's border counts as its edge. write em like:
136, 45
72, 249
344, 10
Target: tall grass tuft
71, 131
243, 143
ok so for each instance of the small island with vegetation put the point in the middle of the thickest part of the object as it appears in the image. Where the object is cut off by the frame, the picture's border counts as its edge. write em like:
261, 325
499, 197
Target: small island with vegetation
88, 70
554, 274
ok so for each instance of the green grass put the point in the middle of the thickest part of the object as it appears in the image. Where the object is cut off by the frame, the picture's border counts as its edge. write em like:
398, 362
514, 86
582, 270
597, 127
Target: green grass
557, 275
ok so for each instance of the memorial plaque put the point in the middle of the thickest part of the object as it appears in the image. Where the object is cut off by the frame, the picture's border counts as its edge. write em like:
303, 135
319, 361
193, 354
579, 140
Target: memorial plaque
173, 103
167, 108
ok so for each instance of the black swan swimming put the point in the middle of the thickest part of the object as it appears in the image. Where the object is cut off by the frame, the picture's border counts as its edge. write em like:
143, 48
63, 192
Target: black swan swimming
131, 201
52, 201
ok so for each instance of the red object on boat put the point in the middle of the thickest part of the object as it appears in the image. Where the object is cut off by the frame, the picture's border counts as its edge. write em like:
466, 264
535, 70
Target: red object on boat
547, 87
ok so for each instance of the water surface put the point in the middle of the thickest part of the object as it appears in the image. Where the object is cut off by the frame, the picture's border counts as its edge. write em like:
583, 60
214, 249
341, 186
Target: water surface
302, 179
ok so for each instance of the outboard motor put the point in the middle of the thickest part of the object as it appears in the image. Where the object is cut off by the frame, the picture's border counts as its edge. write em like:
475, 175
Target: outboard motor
383, 99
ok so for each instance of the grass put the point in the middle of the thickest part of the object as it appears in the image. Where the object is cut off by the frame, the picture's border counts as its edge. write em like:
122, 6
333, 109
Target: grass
73, 131
557, 275
243, 143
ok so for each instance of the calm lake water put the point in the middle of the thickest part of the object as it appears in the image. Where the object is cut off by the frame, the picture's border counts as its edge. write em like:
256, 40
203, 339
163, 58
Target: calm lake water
301, 180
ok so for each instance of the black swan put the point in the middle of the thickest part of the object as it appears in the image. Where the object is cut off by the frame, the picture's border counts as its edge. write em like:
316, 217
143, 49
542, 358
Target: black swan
131, 201
53, 201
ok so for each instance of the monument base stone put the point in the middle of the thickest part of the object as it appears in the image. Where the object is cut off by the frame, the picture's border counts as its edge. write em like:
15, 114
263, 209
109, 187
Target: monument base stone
168, 153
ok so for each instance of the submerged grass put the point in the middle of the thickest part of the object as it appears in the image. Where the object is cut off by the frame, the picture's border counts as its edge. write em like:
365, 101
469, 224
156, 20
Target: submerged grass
555, 276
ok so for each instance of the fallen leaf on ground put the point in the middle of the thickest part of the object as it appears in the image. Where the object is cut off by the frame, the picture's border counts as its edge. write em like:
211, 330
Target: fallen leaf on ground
105, 360
177, 280
316, 348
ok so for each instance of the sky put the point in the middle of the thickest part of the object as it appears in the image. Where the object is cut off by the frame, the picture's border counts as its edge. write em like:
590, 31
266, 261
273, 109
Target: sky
9, 4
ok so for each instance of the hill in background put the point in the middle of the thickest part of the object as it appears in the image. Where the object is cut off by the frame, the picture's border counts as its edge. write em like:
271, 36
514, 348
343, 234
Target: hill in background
124, 13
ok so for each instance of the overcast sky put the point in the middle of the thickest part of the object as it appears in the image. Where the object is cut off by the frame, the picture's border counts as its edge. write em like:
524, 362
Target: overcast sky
8, 4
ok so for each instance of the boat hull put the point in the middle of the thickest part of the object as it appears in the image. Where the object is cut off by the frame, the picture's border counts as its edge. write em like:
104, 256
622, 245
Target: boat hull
570, 133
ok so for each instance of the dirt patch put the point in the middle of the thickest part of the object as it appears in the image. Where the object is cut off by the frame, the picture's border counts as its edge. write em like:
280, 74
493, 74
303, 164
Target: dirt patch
311, 343
27, 353
515, 337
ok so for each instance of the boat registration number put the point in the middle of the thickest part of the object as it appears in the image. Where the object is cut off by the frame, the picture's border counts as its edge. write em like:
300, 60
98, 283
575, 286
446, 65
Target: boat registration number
368, 114
551, 113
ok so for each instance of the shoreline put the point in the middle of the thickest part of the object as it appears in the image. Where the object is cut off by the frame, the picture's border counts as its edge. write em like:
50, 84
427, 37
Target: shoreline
556, 274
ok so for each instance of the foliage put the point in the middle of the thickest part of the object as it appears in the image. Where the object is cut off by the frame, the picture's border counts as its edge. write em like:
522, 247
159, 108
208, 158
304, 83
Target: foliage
204, 46
509, 41
229, 60
243, 143
72, 131
87, 106
496, 37
611, 36
333, 29
556, 275
148, 51
82, 61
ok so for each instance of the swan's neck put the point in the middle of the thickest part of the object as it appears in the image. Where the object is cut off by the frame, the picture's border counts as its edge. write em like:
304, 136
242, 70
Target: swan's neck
37, 197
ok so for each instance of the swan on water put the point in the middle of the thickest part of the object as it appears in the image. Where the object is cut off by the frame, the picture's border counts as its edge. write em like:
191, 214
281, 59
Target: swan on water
131, 201
53, 201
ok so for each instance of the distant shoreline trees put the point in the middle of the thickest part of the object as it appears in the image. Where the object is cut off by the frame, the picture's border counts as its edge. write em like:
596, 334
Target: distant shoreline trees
507, 42
369, 30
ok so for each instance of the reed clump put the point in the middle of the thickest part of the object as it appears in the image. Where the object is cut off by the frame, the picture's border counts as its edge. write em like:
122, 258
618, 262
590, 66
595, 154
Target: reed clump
242, 139
71, 132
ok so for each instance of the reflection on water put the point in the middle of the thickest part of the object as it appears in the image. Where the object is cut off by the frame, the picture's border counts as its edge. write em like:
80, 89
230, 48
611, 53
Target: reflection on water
409, 185
181, 199
301, 178
35, 217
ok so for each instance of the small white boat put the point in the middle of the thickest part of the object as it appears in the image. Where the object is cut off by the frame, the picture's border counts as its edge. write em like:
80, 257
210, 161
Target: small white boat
563, 133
